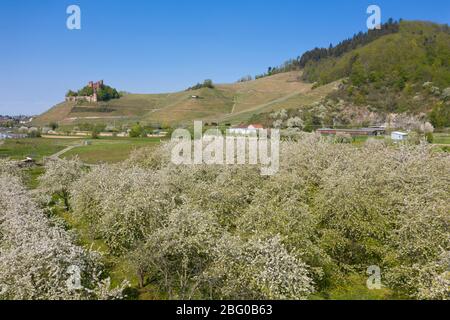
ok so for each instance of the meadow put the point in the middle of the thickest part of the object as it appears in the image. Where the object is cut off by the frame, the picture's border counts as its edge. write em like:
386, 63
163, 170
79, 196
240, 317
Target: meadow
37, 148
109, 150
101, 150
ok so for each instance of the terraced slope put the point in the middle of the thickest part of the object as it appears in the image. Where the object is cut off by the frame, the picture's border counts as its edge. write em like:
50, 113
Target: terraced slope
226, 102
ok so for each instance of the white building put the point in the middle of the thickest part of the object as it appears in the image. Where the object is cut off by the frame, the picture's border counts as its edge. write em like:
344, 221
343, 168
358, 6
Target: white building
246, 130
399, 136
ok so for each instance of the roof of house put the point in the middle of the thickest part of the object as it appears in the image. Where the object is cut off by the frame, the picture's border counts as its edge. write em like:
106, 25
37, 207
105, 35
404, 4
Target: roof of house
250, 126
256, 126
400, 133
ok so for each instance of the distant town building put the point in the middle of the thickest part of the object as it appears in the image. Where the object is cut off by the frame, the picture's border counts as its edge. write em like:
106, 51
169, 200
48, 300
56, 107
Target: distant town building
15, 119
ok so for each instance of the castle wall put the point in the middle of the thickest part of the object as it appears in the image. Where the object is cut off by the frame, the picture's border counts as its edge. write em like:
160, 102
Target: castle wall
94, 98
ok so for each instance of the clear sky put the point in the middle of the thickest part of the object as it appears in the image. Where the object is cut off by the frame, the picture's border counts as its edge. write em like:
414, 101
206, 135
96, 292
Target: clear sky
167, 45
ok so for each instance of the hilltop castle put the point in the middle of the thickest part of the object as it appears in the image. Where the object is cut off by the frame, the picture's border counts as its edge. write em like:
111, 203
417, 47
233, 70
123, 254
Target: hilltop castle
92, 98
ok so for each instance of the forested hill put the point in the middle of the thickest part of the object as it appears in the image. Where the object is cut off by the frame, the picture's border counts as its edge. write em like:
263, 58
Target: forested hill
405, 71
420, 51
318, 54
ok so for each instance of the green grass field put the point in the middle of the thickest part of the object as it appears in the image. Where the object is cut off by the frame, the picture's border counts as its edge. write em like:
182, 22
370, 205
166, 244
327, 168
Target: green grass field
441, 138
37, 148
110, 150
103, 150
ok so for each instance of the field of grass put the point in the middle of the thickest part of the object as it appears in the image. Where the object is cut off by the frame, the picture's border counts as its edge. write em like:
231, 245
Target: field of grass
294, 100
37, 148
107, 150
110, 150
441, 138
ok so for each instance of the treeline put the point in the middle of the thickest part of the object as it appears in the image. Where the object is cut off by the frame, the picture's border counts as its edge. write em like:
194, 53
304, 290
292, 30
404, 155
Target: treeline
408, 71
105, 93
358, 40
208, 83
317, 54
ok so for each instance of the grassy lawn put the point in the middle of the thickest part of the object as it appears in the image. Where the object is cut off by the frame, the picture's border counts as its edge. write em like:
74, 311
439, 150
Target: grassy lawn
441, 138
109, 150
37, 148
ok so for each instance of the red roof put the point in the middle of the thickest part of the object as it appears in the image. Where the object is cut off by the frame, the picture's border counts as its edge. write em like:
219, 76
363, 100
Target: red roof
257, 126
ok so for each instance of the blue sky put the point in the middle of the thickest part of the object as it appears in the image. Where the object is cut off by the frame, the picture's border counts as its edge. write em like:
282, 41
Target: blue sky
167, 45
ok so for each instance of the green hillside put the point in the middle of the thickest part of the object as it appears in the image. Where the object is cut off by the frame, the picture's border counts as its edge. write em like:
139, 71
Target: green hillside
401, 72
225, 102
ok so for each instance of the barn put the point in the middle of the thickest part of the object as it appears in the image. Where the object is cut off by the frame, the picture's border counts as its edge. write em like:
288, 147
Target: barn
375, 131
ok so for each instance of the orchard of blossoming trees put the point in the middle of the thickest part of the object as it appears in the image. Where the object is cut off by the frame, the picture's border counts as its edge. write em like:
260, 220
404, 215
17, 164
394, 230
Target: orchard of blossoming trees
226, 232
37, 254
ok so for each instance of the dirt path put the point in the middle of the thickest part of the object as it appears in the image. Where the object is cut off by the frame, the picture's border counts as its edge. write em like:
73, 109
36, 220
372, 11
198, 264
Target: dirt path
234, 105
60, 153
264, 105
62, 137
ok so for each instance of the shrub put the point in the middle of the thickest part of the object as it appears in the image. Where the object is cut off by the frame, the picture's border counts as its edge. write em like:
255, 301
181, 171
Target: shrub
137, 131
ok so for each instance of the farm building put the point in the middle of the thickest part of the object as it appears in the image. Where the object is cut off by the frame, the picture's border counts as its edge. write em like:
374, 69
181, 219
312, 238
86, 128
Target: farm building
251, 129
399, 136
375, 131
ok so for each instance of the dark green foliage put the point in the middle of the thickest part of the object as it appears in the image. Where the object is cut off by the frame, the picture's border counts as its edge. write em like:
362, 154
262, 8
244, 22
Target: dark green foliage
96, 130
389, 73
137, 131
318, 54
71, 93
107, 93
34, 134
348, 45
208, 83
86, 91
440, 115
53, 125
95, 134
